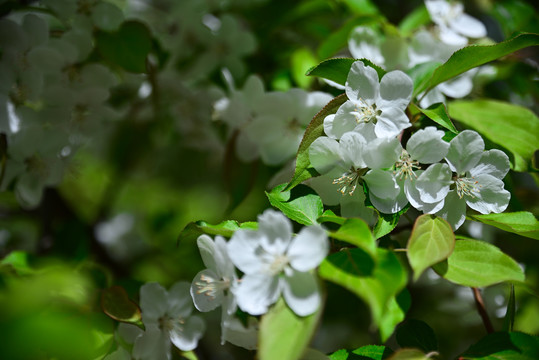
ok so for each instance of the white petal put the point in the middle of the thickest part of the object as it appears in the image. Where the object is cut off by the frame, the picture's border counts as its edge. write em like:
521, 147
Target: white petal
308, 248
153, 344
207, 250
354, 206
395, 90
382, 184
153, 301
324, 154
346, 119
242, 251
205, 301
191, 331
301, 293
382, 153
464, 152
324, 187
129, 332
364, 43
468, 26
362, 83
390, 205
180, 302
433, 97
493, 162
391, 122
451, 37
352, 145
414, 197
458, 87
427, 146
233, 331
276, 231
492, 197
454, 210
433, 184
255, 293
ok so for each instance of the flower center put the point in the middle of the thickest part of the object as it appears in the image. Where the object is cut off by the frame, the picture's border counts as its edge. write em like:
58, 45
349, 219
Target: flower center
466, 187
349, 180
405, 166
168, 324
210, 286
365, 113
278, 264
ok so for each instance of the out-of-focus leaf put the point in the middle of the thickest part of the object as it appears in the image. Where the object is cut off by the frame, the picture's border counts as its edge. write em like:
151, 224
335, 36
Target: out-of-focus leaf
511, 126
522, 223
226, 228
362, 7
128, 47
476, 55
302, 60
506, 346
417, 334
509, 320
315, 129
431, 241
283, 334
438, 114
116, 303
421, 74
418, 17
478, 264
409, 354
337, 69
17, 261
356, 232
300, 204
374, 352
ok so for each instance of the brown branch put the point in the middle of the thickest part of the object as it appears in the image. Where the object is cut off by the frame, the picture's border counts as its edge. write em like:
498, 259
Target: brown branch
479, 303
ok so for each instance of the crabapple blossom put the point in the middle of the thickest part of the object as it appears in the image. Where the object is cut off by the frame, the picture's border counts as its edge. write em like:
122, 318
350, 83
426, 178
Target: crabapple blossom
371, 101
275, 262
166, 316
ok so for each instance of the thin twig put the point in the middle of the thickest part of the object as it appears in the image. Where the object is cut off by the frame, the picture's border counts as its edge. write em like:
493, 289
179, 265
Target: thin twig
482, 310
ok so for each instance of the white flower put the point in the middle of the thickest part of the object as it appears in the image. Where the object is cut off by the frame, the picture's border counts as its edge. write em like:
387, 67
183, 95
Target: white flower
370, 101
476, 180
457, 88
211, 287
166, 316
454, 25
357, 158
275, 262
364, 43
235, 332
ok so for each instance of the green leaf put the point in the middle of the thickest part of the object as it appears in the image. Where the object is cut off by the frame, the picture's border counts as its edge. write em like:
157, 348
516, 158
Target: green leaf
506, 346
128, 47
375, 283
337, 69
329, 216
418, 17
300, 204
478, 264
16, 261
315, 129
302, 60
476, 55
409, 354
522, 223
513, 127
362, 7
284, 335
431, 241
116, 303
509, 320
385, 224
226, 228
356, 232
438, 114
393, 315
417, 334
421, 74
368, 352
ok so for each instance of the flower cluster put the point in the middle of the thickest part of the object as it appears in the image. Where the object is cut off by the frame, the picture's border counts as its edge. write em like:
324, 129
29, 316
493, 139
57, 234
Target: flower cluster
362, 149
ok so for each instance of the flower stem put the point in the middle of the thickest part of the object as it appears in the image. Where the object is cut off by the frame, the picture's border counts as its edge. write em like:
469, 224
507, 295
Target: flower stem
482, 310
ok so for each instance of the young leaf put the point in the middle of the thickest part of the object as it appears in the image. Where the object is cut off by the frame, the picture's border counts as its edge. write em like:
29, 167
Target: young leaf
438, 114
128, 47
478, 264
226, 228
368, 352
337, 69
522, 223
300, 204
284, 335
315, 129
511, 126
356, 232
421, 74
417, 334
116, 303
504, 345
476, 55
385, 224
431, 241
376, 284
329, 216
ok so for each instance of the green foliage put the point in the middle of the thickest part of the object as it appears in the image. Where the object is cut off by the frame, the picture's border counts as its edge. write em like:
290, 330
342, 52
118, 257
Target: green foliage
128, 47
374, 352
375, 283
116, 303
476, 55
431, 241
300, 204
302, 60
479, 264
504, 345
356, 232
438, 114
417, 334
226, 228
421, 75
409, 354
510, 126
522, 223
283, 334
417, 18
